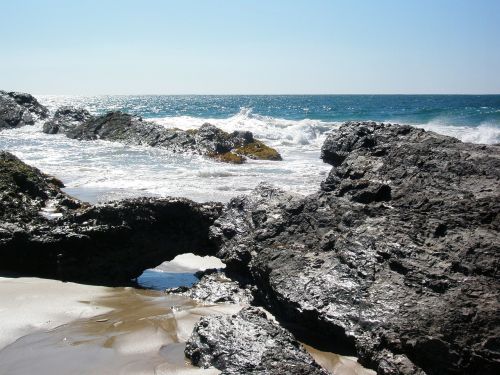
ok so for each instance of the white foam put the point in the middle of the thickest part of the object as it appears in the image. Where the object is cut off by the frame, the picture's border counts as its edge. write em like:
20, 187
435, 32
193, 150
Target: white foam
486, 133
276, 131
100, 170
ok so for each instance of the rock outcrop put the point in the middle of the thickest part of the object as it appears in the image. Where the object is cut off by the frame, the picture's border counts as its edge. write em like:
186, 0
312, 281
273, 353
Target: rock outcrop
248, 343
208, 140
105, 244
395, 260
66, 118
18, 109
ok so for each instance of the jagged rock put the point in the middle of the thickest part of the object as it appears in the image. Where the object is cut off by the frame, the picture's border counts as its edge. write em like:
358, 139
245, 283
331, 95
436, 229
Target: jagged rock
105, 244
66, 118
208, 140
248, 343
395, 260
24, 190
216, 287
18, 109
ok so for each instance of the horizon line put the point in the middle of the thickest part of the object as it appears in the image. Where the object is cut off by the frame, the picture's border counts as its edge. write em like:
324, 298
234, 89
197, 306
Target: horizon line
243, 94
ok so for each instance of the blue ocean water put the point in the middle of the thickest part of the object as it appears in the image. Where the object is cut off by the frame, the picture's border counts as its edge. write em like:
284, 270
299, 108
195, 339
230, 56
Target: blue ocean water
453, 110
296, 125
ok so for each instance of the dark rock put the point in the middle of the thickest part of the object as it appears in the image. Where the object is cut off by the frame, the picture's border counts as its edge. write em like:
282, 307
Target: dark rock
29, 102
395, 260
105, 244
66, 118
208, 140
25, 190
216, 287
248, 343
18, 109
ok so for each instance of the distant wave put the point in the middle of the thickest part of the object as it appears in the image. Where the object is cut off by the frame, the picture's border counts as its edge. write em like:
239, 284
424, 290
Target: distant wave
277, 131
311, 133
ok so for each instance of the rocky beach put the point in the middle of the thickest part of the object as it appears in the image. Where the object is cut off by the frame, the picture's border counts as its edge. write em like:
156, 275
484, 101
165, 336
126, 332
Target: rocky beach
390, 266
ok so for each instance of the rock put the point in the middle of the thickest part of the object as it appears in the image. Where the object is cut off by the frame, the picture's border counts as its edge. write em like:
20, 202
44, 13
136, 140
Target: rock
104, 244
258, 150
208, 140
18, 109
30, 103
395, 260
66, 118
216, 287
24, 190
248, 343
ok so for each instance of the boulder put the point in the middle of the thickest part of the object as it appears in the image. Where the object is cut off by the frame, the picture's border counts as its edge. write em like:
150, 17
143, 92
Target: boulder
248, 343
66, 118
395, 259
19, 109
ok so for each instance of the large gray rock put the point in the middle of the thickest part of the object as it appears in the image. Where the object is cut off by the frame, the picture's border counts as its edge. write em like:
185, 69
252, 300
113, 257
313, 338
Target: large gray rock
248, 343
208, 140
395, 260
18, 109
66, 118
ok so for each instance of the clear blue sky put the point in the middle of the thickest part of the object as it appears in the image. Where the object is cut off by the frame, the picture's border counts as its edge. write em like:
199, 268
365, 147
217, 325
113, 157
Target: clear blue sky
245, 46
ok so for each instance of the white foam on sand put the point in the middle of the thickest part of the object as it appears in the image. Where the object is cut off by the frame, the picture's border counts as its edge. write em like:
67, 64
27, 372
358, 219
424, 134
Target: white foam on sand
30, 304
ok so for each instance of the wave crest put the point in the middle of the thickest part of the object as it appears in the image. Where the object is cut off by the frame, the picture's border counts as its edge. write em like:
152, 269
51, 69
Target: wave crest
276, 131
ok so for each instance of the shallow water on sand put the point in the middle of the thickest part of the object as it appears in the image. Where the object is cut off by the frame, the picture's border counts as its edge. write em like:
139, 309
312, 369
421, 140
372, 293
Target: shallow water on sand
144, 332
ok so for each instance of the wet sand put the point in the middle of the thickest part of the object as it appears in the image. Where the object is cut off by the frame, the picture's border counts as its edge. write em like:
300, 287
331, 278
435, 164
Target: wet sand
50, 327
141, 332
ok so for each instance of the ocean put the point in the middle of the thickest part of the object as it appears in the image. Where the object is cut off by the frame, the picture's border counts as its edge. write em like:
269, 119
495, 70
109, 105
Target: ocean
296, 125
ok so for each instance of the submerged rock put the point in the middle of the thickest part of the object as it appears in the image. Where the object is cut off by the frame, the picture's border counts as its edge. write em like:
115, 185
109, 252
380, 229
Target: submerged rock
18, 109
66, 118
248, 343
395, 260
208, 140
105, 244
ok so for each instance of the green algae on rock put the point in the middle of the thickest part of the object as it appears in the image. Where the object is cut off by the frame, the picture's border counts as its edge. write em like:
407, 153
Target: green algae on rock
228, 157
258, 150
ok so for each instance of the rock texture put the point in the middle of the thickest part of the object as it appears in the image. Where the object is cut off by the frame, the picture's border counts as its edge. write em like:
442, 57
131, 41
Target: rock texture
18, 109
248, 343
105, 244
208, 140
66, 118
215, 287
395, 260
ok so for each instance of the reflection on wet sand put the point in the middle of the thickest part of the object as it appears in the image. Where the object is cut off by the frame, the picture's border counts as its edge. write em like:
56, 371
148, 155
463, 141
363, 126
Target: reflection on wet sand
144, 333
140, 332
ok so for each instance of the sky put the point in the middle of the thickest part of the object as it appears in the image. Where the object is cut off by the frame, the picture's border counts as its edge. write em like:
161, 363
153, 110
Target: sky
92, 47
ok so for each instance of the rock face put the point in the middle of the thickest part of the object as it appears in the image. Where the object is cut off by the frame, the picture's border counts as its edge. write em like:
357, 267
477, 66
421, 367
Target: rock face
208, 140
105, 244
18, 109
248, 343
395, 260
66, 118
